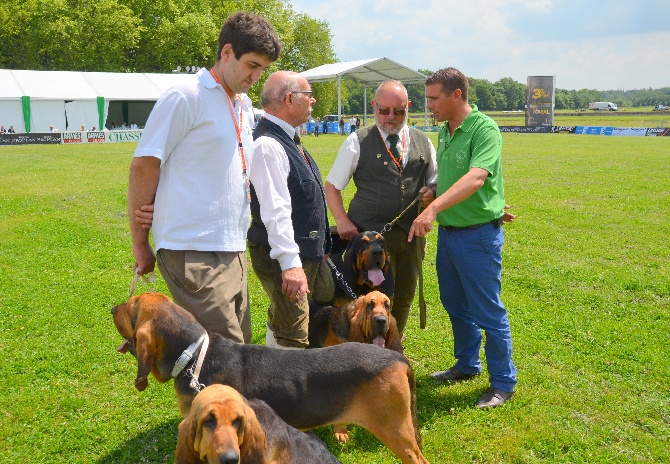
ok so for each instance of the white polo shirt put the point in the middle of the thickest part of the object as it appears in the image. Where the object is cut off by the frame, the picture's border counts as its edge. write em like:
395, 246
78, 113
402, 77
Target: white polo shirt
201, 202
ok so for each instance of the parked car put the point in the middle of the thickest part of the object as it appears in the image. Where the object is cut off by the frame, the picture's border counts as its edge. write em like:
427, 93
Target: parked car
661, 108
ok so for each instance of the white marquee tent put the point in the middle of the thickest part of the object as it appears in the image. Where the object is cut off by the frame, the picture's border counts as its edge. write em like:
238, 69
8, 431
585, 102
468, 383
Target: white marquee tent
68, 99
371, 72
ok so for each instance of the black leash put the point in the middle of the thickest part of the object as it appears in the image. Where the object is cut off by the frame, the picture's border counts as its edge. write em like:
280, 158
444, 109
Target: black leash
339, 277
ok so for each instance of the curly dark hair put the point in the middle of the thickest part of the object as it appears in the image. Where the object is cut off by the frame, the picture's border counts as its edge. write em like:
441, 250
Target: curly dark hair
450, 79
249, 33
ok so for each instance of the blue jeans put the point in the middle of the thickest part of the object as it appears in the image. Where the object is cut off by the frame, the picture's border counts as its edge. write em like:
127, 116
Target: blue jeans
469, 266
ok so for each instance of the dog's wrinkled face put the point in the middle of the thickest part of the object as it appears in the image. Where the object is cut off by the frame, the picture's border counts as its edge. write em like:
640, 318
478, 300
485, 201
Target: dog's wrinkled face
220, 423
219, 426
373, 311
372, 260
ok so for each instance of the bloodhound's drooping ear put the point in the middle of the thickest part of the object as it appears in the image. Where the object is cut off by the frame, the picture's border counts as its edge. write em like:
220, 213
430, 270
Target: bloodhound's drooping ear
254, 442
350, 270
185, 453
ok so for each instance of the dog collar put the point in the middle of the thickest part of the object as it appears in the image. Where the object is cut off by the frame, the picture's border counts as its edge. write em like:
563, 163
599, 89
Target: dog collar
186, 356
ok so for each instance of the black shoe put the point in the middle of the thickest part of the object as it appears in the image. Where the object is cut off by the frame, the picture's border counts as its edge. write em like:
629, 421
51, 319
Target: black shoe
493, 398
452, 375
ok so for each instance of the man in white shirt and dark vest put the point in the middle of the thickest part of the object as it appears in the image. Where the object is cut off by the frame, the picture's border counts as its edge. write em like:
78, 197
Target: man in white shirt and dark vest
391, 164
289, 232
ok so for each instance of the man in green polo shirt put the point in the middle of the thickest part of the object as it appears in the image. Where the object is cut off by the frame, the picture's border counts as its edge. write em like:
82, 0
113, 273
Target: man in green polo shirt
469, 208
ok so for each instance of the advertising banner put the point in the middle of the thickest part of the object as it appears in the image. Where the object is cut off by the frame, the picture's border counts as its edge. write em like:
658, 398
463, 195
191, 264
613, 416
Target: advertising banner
540, 99
32, 138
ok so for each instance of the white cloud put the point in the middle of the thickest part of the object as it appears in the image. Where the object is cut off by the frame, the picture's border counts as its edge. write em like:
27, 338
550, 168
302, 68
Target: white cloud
595, 44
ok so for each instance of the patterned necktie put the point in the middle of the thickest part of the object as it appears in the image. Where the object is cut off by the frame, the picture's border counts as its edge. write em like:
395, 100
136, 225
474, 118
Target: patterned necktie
393, 140
296, 139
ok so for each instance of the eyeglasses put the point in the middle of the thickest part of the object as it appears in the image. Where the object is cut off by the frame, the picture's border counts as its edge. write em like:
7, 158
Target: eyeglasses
306, 92
387, 111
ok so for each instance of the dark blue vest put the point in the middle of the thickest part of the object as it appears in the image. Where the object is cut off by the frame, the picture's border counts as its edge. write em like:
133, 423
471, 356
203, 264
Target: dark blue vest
308, 199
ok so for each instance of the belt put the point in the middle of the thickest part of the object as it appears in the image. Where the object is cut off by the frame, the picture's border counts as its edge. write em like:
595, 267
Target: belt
496, 223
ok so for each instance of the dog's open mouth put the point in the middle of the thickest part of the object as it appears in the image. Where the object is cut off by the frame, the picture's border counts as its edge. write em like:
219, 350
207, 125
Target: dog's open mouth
379, 341
376, 276
125, 346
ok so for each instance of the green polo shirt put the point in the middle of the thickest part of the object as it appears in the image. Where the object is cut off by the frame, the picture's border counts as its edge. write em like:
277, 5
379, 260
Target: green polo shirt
476, 143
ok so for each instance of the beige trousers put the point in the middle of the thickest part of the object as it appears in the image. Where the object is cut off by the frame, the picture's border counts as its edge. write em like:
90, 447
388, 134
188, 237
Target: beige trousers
211, 285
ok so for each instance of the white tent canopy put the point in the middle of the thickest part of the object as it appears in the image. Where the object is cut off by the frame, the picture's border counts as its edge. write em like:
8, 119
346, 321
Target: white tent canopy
68, 99
370, 72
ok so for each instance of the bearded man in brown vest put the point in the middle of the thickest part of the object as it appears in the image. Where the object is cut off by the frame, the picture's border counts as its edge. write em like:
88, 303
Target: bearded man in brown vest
391, 164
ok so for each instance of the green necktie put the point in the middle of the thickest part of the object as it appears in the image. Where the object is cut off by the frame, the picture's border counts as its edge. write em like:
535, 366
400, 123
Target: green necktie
393, 140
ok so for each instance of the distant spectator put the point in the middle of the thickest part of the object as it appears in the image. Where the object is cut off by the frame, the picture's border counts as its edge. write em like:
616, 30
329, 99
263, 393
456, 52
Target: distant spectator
358, 123
11, 130
52, 129
124, 126
341, 125
92, 129
133, 126
352, 124
3, 130
83, 128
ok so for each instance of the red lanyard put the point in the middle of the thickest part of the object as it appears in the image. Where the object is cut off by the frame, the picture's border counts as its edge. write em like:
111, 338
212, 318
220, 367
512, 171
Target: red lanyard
238, 130
238, 127
398, 162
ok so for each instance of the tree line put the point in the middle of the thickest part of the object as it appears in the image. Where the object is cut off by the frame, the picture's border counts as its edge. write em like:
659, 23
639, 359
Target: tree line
152, 36
508, 95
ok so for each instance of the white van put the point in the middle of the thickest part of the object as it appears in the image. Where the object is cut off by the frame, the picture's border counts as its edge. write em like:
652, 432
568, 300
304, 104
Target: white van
602, 106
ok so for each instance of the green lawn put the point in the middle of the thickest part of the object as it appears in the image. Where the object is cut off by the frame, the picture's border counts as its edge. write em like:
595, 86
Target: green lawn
586, 281
586, 118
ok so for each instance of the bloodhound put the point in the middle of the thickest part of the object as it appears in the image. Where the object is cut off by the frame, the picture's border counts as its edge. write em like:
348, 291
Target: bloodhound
351, 383
224, 427
367, 319
365, 266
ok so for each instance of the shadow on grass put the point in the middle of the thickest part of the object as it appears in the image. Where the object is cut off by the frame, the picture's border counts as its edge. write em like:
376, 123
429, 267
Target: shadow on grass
435, 399
156, 445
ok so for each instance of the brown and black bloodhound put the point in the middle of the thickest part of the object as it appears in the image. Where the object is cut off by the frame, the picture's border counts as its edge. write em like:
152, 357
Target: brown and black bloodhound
367, 319
351, 383
224, 427
365, 266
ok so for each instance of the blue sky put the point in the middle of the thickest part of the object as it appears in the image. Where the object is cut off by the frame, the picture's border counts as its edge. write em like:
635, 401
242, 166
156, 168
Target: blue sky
594, 44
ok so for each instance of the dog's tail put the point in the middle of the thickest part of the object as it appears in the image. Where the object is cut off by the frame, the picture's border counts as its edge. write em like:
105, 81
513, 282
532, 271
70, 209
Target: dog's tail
413, 405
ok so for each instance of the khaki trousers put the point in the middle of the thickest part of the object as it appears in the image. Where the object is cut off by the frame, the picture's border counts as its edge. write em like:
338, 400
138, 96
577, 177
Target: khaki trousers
211, 285
289, 320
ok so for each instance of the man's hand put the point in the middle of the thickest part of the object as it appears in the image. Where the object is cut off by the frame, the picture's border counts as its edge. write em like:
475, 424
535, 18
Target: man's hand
422, 224
428, 195
346, 229
145, 216
507, 216
294, 284
145, 259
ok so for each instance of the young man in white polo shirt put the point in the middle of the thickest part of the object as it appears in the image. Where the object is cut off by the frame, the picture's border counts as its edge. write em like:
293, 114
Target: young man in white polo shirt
191, 165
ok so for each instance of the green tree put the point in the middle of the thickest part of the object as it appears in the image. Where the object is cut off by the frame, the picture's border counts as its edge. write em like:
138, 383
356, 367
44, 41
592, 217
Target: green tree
67, 35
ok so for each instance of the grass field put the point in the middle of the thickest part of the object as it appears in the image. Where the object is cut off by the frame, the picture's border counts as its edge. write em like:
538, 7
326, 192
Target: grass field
587, 118
586, 282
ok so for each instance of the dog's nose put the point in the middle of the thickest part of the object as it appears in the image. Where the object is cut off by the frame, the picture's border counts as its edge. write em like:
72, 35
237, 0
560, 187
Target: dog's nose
229, 457
377, 252
113, 309
380, 321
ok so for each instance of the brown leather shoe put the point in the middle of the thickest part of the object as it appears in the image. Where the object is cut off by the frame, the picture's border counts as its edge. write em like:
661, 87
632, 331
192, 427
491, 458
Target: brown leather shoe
493, 398
452, 375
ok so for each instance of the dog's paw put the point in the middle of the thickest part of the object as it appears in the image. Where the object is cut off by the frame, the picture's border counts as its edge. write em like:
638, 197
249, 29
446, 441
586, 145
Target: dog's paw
341, 433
